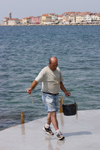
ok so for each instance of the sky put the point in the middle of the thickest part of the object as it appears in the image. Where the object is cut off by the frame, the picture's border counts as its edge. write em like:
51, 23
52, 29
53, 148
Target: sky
26, 8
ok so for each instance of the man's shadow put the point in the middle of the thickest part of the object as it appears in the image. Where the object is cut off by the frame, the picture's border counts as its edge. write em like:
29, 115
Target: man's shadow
77, 133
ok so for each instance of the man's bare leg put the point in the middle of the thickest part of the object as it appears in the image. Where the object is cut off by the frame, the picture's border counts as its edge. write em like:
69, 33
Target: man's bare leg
54, 120
49, 119
47, 128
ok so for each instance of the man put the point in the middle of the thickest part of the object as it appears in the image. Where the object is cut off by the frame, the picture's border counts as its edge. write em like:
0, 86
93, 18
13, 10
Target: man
51, 79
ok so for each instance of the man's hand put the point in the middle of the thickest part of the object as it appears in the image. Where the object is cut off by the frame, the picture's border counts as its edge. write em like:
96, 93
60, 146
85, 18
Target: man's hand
64, 90
67, 93
33, 85
29, 91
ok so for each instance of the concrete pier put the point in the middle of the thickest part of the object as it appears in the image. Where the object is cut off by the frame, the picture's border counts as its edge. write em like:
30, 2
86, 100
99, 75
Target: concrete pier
82, 133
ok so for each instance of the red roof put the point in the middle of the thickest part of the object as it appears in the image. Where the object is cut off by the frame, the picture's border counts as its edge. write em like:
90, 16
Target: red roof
52, 14
26, 18
59, 15
45, 15
13, 19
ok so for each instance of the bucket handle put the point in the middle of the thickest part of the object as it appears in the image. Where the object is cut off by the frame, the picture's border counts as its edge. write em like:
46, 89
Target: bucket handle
72, 97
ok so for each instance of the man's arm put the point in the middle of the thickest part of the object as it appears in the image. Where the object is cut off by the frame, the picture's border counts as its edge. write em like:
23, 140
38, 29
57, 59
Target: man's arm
33, 85
64, 89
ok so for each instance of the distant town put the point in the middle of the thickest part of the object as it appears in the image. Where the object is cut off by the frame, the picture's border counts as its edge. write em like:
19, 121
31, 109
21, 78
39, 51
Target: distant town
67, 18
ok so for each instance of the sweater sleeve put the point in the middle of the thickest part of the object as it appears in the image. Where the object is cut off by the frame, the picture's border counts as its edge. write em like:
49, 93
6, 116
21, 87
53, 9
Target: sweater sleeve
40, 76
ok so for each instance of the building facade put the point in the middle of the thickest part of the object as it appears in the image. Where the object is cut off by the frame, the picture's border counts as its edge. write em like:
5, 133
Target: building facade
13, 21
35, 20
5, 21
46, 19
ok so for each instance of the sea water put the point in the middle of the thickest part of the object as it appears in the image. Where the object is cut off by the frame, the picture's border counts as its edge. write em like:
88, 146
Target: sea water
25, 50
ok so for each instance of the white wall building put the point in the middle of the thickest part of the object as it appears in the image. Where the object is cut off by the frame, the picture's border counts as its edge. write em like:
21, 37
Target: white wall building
5, 21
94, 17
12, 21
60, 18
54, 17
88, 18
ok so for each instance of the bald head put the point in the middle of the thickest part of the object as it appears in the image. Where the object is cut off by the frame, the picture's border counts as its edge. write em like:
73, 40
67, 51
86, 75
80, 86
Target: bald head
53, 59
53, 63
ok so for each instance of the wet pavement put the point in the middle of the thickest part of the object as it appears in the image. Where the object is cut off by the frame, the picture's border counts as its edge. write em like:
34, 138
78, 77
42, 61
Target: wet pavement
81, 133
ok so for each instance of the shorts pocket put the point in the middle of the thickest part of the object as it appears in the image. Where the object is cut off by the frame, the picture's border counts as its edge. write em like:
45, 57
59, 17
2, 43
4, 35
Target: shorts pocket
49, 99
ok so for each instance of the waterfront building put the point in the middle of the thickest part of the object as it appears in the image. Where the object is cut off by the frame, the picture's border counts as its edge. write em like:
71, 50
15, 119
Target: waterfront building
26, 20
72, 18
60, 18
20, 21
69, 17
9, 20
13, 21
88, 18
98, 17
5, 21
78, 18
94, 17
35, 20
46, 19
65, 19
54, 17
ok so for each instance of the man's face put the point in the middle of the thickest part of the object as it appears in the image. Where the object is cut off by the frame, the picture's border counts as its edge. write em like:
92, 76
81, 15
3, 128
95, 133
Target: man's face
53, 65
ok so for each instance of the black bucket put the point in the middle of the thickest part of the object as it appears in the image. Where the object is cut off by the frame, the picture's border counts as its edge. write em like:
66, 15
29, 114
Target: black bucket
69, 109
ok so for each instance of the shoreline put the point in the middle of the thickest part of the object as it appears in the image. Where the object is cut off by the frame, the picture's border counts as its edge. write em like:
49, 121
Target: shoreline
54, 25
